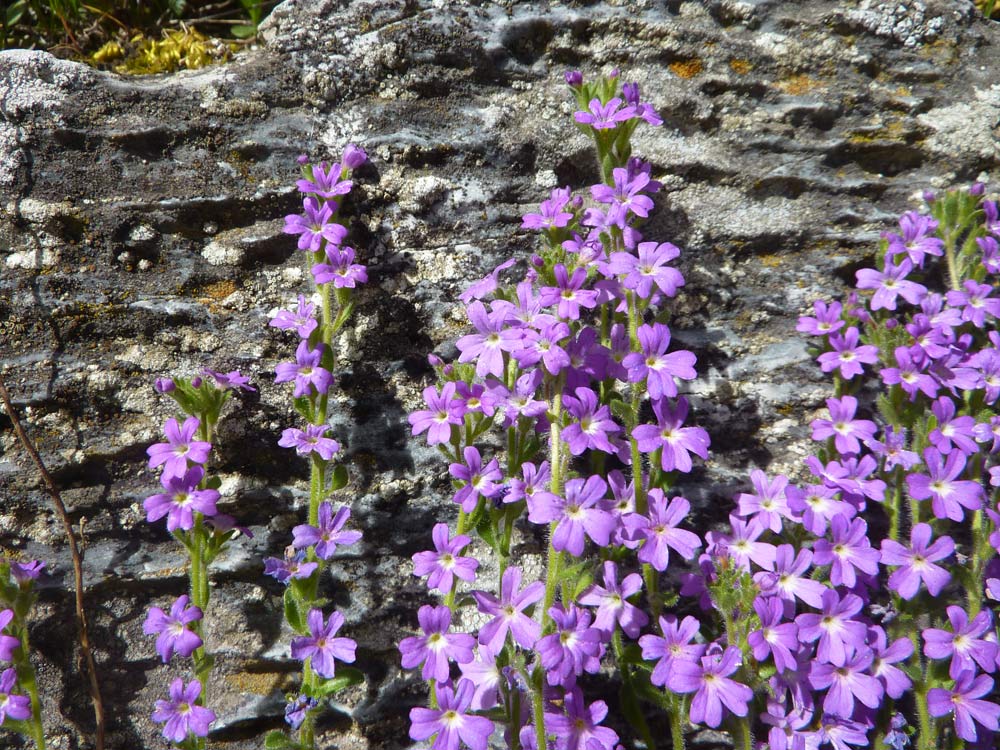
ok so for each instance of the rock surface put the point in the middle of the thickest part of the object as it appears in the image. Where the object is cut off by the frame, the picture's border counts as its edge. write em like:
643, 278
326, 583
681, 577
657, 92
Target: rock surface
140, 235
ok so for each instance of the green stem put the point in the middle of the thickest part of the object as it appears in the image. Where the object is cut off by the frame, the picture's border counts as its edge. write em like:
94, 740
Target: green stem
26, 676
677, 713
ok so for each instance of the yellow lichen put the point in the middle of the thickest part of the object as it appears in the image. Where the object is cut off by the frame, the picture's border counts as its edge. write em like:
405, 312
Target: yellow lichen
686, 68
770, 260
741, 67
218, 290
258, 683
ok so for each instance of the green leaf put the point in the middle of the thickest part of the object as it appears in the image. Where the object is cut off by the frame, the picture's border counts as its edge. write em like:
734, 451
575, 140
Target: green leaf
278, 740
213, 482
293, 611
485, 530
303, 407
15, 11
204, 663
242, 31
338, 479
345, 678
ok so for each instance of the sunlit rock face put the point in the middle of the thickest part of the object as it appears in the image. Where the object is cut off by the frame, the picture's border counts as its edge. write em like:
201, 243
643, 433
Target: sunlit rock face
140, 236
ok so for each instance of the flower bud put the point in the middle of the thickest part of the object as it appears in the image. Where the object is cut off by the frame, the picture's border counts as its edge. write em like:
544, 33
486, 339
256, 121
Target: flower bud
196, 382
354, 156
929, 196
303, 159
977, 189
164, 385
574, 77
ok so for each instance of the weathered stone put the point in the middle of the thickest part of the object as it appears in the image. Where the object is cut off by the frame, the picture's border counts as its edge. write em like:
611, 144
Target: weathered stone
140, 235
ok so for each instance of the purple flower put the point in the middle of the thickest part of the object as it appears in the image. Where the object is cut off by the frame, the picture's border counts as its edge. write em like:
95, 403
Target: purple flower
493, 338
328, 534
551, 212
625, 196
675, 644
354, 156
486, 285
479, 480
441, 413
575, 647
975, 302
909, 374
568, 293
895, 681
709, 680
963, 643
296, 710
842, 426
828, 319
578, 728
948, 494
17, 707
951, 431
315, 226
443, 564
648, 269
839, 634
485, 674
917, 562
889, 284
848, 355
847, 682
181, 500
450, 721
850, 549
181, 714
303, 320
8, 643
918, 238
605, 116
341, 269
817, 504
437, 646
174, 634
180, 448
677, 443
320, 645
965, 701
508, 612
655, 366
612, 605
164, 385
893, 450
787, 726
767, 503
305, 371
310, 440
544, 346
593, 426
789, 581
325, 183
659, 530
228, 380
535, 479
578, 515
293, 565
775, 638
742, 545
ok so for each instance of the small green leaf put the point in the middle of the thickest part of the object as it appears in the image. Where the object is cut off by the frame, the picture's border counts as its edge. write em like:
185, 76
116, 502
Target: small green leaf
303, 407
293, 611
204, 663
213, 482
15, 11
485, 530
345, 678
242, 31
278, 740
338, 480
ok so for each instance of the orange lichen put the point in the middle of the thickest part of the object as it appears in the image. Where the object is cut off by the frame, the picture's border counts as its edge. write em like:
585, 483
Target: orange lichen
741, 67
686, 68
798, 84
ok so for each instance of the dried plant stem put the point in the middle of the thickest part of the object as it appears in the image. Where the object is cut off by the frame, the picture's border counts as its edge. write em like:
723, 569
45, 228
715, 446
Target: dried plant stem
81, 617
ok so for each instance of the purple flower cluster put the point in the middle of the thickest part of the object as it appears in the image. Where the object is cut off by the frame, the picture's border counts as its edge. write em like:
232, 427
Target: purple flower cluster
551, 358
316, 322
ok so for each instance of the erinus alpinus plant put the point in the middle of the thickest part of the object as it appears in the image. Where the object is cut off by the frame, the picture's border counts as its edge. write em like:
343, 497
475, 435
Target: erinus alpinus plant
852, 611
